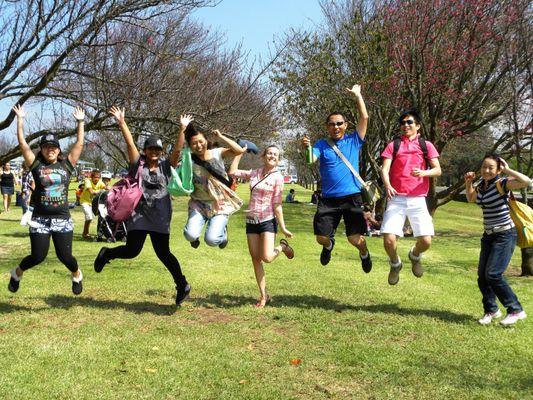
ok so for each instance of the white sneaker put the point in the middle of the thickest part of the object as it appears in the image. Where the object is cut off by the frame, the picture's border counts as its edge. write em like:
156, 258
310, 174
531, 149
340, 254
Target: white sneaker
512, 318
487, 318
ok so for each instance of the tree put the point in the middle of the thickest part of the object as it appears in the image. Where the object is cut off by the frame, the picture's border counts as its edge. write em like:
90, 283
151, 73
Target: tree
450, 59
146, 56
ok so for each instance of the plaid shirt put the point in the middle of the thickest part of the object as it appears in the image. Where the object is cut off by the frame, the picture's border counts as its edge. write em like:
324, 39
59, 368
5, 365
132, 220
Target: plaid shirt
265, 193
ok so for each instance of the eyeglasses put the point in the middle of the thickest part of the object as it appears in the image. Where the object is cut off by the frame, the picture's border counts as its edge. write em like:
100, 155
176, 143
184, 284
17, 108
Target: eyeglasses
338, 123
407, 122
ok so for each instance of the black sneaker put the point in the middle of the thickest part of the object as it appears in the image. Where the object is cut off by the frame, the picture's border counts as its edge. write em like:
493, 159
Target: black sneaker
366, 263
101, 260
77, 287
325, 256
195, 243
182, 293
13, 285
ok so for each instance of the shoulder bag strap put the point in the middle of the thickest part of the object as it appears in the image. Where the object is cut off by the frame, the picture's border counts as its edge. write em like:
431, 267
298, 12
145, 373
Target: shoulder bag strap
202, 163
350, 167
262, 179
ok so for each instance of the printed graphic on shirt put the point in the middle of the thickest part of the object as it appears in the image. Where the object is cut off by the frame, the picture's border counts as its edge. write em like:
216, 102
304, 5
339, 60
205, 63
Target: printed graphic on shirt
53, 182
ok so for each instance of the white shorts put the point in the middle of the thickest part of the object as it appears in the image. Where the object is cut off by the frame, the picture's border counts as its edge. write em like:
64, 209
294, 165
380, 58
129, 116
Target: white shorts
414, 208
88, 211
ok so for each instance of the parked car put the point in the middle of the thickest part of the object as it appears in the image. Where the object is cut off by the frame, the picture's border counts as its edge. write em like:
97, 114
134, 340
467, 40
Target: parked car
290, 178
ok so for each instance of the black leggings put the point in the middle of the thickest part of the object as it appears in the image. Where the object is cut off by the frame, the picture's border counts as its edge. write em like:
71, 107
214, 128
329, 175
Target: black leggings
161, 245
40, 244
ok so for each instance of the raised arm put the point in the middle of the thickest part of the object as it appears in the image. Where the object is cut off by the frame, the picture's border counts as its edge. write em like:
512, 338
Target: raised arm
234, 166
185, 120
119, 114
76, 150
469, 187
27, 154
516, 179
234, 148
361, 109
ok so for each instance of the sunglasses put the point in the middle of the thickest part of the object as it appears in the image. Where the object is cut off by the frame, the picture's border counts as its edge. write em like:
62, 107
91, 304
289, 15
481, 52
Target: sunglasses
407, 122
338, 123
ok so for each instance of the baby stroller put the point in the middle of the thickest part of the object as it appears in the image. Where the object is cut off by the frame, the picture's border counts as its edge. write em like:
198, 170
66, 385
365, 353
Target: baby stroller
106, 228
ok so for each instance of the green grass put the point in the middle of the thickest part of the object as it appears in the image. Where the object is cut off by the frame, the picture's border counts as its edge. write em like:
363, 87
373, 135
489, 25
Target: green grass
356, 337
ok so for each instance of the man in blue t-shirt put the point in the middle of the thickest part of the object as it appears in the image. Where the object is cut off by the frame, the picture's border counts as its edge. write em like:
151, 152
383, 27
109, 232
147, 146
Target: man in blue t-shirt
341, 191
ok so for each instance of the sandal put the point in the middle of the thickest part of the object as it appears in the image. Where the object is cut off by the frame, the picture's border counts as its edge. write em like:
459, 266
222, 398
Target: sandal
287, 250
260, 304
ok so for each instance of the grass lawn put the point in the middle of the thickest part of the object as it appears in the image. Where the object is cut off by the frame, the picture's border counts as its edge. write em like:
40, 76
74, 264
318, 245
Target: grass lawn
330, 332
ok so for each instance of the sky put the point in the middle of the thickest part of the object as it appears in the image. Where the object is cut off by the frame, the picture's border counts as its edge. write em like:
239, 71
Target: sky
257, 23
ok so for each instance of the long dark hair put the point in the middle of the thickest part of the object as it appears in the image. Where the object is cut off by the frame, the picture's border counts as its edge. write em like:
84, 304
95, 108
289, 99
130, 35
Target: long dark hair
191, 132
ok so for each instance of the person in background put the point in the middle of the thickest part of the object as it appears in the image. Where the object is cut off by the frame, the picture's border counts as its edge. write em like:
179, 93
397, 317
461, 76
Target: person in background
91, 187
263, 216
499, 239
27, 185
7, 185
290, 198
106, 178
51, 217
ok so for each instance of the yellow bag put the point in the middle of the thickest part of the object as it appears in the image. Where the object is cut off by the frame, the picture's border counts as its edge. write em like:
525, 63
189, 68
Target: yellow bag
522, 216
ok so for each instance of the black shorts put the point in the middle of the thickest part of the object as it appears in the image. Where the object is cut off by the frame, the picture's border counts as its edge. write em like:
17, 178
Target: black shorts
330, 210
267, 226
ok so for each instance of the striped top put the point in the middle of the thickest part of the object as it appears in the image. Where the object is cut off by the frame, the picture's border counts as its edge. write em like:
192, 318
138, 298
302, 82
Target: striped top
494, 205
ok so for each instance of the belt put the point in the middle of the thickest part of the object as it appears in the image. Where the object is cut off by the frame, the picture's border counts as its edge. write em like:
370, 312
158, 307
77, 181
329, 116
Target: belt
500, 228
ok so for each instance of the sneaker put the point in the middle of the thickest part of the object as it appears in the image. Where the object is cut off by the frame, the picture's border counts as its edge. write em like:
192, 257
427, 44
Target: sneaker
195, 243
77, 286
416, 264
366, 263
394, 273
182, 293
325, 256
487, 318
14, 281
512, 318
101, 260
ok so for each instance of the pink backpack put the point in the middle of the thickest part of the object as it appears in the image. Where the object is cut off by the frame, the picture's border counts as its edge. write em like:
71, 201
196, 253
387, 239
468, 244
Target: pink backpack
124, 196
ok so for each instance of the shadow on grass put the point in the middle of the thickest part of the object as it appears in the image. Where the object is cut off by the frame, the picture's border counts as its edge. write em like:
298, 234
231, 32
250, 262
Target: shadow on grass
6, 308
16, 234
312, 301
141, 307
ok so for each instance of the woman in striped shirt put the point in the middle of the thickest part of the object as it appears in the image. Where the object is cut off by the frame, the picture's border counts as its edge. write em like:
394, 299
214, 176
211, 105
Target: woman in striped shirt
263, 216
499, 237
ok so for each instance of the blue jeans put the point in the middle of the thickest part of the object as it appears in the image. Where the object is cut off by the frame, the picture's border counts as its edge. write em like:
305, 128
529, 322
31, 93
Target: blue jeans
215, 232
496, 252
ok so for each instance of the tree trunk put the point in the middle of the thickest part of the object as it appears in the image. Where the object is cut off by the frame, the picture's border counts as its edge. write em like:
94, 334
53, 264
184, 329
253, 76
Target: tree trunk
527, 262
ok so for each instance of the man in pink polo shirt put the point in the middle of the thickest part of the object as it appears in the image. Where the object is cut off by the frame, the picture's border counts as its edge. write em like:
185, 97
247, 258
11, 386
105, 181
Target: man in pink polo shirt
406, 179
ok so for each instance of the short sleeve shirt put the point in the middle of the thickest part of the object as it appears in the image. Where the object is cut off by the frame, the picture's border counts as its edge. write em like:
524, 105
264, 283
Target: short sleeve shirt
86, 196
266, 192
50, 197
154, 211
409, 156
337, 179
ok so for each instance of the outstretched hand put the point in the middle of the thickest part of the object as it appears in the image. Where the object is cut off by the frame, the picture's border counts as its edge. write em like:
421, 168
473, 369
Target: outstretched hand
79, 114
355, 90
19, 110
185, 120
217, 133
118, 113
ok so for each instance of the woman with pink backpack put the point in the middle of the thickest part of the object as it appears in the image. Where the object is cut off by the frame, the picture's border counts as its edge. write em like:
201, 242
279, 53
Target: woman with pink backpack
153, 212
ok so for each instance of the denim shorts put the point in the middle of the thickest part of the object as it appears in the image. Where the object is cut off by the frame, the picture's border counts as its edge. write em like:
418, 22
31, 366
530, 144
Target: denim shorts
267, 226
7, 190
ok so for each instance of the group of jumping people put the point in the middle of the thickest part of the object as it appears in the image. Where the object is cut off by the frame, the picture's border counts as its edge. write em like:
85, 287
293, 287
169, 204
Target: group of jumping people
408, 163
